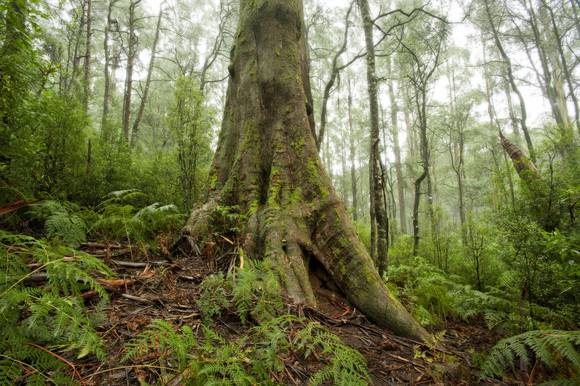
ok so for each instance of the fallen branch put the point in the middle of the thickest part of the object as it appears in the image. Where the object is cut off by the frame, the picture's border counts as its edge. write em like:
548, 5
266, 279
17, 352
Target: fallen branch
132, 264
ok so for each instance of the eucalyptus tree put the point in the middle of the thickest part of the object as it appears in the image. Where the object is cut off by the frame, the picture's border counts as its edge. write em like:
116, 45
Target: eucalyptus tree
267, 164
492, 18
131, 53
108, 84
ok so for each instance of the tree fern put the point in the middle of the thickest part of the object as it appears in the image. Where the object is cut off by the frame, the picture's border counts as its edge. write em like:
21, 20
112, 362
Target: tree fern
551, 347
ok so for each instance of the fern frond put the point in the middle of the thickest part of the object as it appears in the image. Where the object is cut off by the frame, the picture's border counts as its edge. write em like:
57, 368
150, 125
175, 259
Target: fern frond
551, 347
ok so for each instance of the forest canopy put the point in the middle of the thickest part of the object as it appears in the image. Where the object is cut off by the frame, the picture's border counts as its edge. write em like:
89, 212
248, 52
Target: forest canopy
271, 186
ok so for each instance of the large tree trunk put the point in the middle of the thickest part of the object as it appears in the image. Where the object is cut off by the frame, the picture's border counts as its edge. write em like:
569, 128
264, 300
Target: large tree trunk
267, 164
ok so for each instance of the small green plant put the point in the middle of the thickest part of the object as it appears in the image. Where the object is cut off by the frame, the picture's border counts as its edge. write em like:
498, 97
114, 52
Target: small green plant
253, 290
61, 221
252, 358
555, 348
345, 366
124, 215
215, 296
37, 317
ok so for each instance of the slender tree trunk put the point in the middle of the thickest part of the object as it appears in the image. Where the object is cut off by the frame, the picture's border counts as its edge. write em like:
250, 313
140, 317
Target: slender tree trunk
143, 103
565, 68
559, 109
106, 71
131, 54
87, 62
511, 112
268, 165
335, 69
512, 81
397, 148
493, 120
457, 148
76, 56
353, 179
376, 188
421, 105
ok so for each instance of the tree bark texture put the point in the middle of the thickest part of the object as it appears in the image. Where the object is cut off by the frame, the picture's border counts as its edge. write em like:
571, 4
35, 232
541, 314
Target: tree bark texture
267, 164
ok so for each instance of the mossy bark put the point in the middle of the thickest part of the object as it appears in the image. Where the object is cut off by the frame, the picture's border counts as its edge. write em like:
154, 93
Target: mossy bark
267, 164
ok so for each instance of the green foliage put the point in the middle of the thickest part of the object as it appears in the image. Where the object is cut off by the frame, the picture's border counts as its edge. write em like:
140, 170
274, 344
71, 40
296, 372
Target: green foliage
125, 215
363, 231
52, 314
554, 348
252, 290
228, 220
252, 358
61, 222
215, 296
256, 290
346, 366
190, 123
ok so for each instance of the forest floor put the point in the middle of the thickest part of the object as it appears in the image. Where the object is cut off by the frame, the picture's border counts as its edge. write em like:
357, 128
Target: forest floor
146, 289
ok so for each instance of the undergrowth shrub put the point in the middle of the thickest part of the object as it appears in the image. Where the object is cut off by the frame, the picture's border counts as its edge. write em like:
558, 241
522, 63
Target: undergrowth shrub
435, 296
40, 316
60, 221
125, 215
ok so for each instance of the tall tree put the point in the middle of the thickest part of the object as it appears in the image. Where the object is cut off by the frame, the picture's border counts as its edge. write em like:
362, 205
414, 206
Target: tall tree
352, 156
145, 95
422, 50
107, 65
131, 56
334, 72
397, 148
511, 77
378, 210
267, 164
87, 61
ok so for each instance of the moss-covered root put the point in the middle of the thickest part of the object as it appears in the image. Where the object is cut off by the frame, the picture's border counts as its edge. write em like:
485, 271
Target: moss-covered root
286, 255
352, 269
